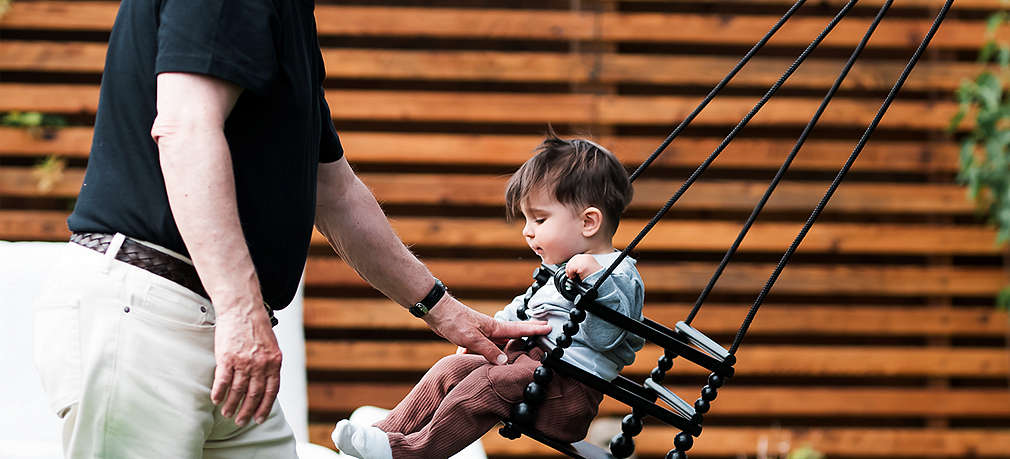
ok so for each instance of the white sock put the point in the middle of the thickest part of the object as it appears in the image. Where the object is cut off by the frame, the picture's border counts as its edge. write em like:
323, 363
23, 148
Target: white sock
372, 443
342, 436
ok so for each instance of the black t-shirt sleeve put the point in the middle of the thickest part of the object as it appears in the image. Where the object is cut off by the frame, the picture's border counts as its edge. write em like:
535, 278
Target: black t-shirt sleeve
228, 39
329, 142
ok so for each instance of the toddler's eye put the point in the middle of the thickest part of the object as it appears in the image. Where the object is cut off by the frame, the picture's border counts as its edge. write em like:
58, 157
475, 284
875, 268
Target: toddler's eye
540, 220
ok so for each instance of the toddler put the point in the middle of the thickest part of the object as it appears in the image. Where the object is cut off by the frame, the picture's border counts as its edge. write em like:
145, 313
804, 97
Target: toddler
571, 194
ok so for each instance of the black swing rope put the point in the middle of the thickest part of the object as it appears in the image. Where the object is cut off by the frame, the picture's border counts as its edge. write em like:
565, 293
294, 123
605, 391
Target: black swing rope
688, 418
722, 146
788, 161
715, 90
841, 174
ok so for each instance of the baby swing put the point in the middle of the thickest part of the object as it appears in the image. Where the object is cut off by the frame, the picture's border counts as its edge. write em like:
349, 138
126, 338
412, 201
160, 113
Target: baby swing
684, 340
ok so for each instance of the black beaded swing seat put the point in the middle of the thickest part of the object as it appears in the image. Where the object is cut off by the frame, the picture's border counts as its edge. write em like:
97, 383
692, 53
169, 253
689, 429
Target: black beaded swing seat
684, 340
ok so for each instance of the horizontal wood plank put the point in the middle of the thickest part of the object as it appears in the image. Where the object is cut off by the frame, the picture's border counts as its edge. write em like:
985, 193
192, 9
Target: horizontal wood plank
513, 150
27, 182
923, 4
345, 397
721, 194
713, 318
691, 277
543, 25
754, 360
687, 235
744, 441
650, 194
682, 236
612, 109
72, 142
763, 72
34, 225
52, 56
845, 442
49, 98
61, 15
416, 106
738, 29
533, 67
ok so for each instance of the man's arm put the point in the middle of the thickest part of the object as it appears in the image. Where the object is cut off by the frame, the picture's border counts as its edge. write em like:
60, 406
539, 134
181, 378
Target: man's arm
350, 218
196, 164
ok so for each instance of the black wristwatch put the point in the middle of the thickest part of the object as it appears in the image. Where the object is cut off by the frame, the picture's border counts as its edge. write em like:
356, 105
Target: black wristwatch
430, 300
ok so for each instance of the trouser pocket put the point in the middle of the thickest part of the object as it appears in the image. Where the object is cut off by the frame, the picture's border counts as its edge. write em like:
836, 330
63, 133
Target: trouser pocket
56, 352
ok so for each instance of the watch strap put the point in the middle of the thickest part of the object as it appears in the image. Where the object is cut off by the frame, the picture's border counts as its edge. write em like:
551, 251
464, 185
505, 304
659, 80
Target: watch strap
429, 301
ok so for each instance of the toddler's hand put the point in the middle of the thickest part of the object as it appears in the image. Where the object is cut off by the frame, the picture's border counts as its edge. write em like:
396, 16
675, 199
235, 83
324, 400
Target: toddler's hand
581, 266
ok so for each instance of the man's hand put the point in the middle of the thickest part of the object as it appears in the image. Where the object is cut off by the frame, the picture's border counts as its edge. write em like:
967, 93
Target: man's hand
477, 332
248, 365
581, 266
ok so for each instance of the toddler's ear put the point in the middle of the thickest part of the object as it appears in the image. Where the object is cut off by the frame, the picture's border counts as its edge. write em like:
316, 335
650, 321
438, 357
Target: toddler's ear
592, 221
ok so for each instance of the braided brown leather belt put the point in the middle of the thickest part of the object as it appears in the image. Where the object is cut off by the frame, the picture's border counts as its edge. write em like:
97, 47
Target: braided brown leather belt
151, 260
144, 257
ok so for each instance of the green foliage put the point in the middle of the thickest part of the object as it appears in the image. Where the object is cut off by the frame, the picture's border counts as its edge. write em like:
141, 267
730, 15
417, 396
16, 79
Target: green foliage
48, 172
39, 125
32, 119
805, 452
985, 150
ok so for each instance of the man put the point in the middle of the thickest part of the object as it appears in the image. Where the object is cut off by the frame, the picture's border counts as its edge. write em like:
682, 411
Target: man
153, 339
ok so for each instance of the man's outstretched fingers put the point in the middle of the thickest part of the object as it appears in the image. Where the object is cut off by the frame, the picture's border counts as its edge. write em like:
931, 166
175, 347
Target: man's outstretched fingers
253, 397
267, 404
519, 329
239, 386
222, 382
485, 347
465, 327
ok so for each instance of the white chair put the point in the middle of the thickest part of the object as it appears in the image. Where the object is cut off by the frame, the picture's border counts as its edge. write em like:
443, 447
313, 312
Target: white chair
28, 430
293, 394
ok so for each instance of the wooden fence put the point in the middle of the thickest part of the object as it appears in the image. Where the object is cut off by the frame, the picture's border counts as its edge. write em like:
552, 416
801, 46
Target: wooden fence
879, 340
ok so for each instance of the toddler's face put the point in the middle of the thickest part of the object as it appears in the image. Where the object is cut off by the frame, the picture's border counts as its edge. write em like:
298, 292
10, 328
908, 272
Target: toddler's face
553, 230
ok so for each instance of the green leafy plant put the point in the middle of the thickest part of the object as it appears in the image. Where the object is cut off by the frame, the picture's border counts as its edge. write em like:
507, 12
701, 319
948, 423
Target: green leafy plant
39, 125
985, 149
781, 440
805, 452
32, 119
48, 172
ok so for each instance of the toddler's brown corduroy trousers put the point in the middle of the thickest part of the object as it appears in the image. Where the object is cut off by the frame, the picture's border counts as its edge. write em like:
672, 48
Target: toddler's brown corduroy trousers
463, 396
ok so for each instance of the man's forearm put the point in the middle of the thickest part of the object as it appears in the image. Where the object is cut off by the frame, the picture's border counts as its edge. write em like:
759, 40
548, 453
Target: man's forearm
201, 192
348, 215
196, 164
351, 219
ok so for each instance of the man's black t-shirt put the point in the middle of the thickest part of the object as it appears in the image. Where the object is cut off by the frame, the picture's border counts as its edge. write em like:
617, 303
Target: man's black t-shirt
278, 132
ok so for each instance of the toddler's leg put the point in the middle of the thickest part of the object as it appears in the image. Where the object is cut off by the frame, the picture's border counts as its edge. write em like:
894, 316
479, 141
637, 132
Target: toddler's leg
468, 411
417, 408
